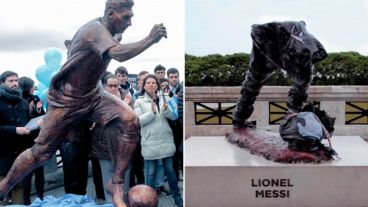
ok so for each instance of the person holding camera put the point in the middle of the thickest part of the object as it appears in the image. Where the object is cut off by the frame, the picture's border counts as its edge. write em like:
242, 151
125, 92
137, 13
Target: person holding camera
35, 104
35, 110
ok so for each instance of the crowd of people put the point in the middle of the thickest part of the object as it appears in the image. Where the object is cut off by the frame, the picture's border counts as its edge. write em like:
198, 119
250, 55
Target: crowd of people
158, 154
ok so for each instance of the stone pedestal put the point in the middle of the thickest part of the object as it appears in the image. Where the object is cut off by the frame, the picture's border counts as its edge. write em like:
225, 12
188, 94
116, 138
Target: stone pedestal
221, 174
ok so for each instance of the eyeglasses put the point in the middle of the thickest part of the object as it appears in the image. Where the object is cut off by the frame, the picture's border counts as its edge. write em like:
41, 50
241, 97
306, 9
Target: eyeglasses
112, 86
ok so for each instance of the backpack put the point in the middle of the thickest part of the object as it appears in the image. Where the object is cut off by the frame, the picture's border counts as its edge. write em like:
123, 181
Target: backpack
304, 132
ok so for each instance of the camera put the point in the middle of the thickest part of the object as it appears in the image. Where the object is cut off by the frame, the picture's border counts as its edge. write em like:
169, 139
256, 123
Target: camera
35, 99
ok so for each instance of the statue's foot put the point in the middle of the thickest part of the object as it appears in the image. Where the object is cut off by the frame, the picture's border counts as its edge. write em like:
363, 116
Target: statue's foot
237, 124
243, 124
2, 192
117, 191
3, 200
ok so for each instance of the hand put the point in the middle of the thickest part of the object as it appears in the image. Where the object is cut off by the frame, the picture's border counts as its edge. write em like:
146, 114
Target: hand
165, 107
167, 90
158, 31
31, 106
39, 105
40, 122
22, 130
113, 91
116, 93
128, 98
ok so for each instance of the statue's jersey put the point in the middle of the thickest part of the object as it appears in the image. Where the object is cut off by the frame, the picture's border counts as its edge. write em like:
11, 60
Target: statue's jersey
87, 60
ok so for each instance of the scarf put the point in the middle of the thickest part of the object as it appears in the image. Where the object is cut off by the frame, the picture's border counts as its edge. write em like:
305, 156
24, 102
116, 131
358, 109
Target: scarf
12, 95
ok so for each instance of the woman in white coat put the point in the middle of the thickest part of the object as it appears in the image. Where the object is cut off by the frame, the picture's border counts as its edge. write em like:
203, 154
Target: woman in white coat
157, 138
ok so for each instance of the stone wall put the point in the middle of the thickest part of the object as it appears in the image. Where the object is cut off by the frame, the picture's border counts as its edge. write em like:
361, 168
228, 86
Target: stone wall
331, 98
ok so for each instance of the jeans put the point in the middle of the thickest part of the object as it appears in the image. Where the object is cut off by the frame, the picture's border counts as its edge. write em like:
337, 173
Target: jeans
159, 174
107, 172
150, 170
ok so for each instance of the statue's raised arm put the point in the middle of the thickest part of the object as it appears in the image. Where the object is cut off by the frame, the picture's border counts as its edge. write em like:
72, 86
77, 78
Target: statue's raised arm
123, 52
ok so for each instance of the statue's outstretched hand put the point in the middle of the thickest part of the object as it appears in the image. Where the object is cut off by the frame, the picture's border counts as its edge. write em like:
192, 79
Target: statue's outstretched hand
158, 31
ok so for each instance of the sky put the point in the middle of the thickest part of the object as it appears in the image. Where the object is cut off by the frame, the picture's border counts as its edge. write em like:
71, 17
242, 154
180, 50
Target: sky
223, 26
29, 28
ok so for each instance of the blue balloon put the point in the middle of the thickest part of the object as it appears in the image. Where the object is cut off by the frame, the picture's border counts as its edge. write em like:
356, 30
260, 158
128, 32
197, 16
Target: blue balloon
43, 97
43, 75
53, 59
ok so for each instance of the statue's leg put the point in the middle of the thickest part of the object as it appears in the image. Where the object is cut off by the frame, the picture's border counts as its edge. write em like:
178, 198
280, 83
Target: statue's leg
123, 147
298, 92
260, 70
52, 131
299, 65
123, 134
24, 164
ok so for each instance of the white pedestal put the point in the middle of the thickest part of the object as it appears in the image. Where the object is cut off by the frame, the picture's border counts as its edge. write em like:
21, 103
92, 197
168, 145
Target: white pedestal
218, 173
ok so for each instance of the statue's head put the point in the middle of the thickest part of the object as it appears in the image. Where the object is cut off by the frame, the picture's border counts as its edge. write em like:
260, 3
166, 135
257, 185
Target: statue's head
118, 4
118, 14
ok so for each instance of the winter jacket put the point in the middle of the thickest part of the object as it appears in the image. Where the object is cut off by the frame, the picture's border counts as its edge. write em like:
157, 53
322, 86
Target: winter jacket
177, 125
12, 114
178, 88
157, 138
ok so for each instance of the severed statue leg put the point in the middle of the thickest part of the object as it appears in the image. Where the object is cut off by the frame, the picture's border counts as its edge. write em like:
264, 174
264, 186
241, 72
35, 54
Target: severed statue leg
260, 70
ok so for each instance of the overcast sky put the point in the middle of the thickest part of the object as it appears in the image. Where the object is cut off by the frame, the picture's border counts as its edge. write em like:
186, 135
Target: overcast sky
29, 28
223, 26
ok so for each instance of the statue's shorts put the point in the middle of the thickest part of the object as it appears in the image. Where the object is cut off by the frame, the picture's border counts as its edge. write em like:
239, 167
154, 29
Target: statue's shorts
59, 121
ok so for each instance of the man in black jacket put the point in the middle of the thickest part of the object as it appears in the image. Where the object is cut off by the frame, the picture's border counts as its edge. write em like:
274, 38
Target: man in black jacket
176, 126
14, 115
122, 73
159, 72
173, 77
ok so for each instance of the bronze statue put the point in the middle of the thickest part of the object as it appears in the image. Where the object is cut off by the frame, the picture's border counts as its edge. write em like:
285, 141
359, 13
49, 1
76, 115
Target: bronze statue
75, 94
285, 45
288, 46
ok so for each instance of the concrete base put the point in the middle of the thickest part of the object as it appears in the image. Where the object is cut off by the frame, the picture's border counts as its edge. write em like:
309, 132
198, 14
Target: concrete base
221, 174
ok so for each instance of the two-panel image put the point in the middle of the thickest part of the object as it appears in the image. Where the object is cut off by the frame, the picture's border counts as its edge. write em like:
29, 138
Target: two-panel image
165, 103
